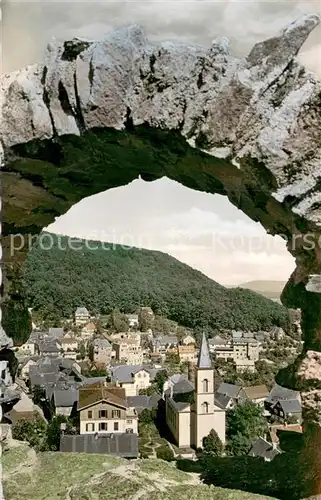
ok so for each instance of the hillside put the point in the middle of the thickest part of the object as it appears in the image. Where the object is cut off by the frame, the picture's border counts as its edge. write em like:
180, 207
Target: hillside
269, 289
58, 280
56, 475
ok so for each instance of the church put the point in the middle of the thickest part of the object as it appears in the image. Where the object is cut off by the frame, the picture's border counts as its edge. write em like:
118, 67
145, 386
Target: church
191, 409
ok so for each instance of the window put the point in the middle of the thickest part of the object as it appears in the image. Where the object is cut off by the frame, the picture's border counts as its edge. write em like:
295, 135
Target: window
205, 385
116, 426
90, 427
129, 422
3, 374
102, 426
102, 413
139, 375
205, 407
90, 414
129, 431
115, 414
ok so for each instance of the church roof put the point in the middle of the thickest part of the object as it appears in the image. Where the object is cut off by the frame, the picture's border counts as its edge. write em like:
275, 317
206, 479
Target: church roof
204, 359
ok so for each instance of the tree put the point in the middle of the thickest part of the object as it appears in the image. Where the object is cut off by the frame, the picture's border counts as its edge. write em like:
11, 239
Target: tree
172, 358
38, 395
245, 423
145, 320
212, 445
53, 431
91, 353
34, 432
159, 380
159, 325
82, 351
147, 417
118, 322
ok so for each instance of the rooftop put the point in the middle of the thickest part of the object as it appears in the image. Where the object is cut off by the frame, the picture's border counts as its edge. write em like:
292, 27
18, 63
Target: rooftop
256, 392
94, 393
230, 390
125, 373
204, 358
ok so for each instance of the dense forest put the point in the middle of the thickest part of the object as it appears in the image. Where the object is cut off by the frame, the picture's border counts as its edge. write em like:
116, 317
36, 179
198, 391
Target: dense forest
59, 279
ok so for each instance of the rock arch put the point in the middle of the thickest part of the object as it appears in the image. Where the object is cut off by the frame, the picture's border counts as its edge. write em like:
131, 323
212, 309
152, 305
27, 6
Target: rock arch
96, 115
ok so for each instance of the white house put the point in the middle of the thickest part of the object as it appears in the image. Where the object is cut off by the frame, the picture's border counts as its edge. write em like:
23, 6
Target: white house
81, 316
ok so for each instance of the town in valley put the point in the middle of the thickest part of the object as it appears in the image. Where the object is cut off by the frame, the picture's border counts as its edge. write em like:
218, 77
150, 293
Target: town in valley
126, 385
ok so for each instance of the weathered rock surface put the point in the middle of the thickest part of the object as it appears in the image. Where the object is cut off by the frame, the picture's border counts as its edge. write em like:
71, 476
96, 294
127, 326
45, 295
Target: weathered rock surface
96, 115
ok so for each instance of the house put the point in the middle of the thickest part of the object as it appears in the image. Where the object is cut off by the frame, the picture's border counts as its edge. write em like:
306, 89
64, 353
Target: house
24, 370
163, 344
132, 320
102, 351
128, 350
68, 344
288, 410
263, 449
56, 333
191, 411
28, 347
243, 349
48, 347
118, 444
88, 330
81, 316
143, 402
224, 401
105, 409
132, 378
187, 353
217, 342
148, 311
284, 403
65, 400
188, 340
256, 394
230, 390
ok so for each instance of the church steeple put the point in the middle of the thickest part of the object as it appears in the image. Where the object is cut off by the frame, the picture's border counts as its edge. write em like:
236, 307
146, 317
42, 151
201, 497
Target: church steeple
204, 359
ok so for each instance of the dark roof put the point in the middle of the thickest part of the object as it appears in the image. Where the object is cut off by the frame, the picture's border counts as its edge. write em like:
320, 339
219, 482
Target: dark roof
165, 340
204, 359
65, 397
122, 445
124, 373
263, 449
142, 402
48, 346
178, 405
290, 406
222, 401
56, 333
279, 393
182, 386
230, 390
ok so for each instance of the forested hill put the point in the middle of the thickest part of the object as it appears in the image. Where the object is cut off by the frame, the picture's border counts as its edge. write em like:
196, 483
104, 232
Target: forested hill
58, 280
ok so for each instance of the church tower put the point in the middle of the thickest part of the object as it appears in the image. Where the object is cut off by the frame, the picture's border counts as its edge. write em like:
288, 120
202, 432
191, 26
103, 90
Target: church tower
205, 414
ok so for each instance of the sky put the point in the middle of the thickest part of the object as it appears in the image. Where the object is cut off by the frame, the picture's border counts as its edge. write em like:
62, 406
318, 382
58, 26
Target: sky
202, 230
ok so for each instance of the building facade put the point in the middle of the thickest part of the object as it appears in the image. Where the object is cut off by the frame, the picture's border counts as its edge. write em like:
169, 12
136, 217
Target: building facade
191, 410
105, 410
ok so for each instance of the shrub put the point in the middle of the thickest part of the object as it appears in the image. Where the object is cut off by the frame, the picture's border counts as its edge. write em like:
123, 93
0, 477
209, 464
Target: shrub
165, 453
